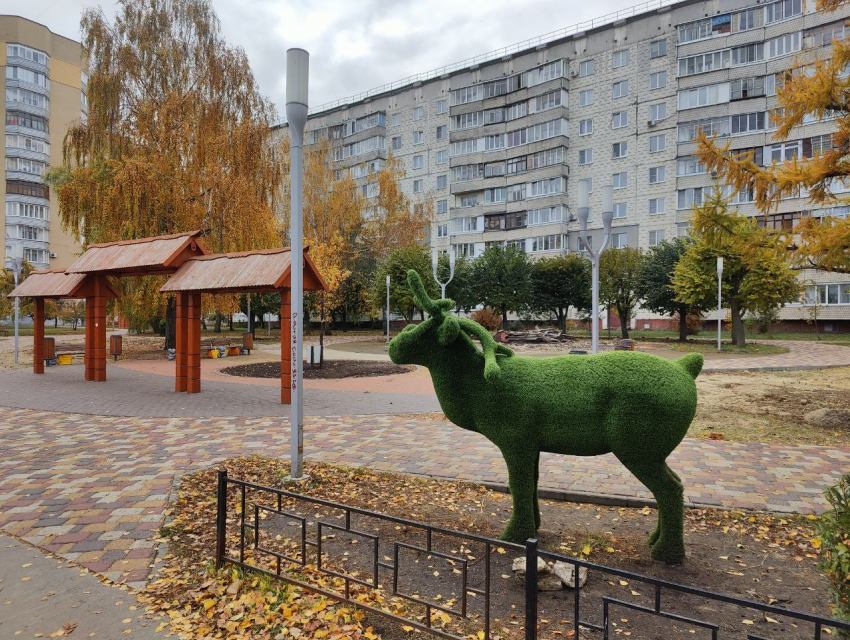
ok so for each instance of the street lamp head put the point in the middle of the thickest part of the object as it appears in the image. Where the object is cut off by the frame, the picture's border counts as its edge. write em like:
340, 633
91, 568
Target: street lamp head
607, 217
583, 194
607, 199
434, 260
451, 259
297, 72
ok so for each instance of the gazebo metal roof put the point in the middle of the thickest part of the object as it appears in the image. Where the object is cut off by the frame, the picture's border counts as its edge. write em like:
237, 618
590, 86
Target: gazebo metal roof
56, 285
147, 256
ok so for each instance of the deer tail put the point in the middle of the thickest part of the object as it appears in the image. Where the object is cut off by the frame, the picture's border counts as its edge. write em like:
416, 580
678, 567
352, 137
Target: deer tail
692, 363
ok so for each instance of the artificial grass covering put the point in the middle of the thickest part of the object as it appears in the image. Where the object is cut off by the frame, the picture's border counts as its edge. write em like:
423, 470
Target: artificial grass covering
633, 404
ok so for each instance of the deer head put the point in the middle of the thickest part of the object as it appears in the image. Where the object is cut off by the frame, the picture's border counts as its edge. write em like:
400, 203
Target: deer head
421, 344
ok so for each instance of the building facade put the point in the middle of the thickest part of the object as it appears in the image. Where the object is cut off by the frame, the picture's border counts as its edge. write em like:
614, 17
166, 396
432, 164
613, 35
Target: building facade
499, 146
45, 93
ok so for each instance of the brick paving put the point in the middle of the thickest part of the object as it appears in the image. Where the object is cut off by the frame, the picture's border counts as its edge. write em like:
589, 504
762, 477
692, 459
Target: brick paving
94, 488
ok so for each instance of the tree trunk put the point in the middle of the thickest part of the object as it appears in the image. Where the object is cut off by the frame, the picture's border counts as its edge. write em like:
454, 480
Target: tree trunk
738, 336
217, 322
562, 320
623, 314
171, 323
230, 321
683, 324
322, 332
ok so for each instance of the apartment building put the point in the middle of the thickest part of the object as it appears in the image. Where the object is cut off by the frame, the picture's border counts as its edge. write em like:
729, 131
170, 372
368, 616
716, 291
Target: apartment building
45, 92
499, 145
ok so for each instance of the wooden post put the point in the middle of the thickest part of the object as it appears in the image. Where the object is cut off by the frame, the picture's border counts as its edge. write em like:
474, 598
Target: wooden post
181, 338
285, 346
99, 329
88, 358
38, 336
193, 343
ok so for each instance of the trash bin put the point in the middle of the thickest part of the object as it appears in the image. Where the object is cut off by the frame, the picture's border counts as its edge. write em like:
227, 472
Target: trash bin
248, 341
116, 343
50, 351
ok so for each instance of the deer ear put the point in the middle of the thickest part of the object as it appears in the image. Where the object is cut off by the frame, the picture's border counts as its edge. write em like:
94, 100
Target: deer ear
448, 331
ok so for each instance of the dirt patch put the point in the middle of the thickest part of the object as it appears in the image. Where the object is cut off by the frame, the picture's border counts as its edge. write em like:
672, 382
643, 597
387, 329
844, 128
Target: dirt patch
758, 557
330, 370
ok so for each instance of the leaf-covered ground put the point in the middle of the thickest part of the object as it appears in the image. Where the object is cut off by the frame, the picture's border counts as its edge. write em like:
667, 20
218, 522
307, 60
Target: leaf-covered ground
756, 556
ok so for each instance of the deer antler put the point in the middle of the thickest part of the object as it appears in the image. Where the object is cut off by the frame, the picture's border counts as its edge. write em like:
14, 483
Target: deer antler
436, 308
490, 347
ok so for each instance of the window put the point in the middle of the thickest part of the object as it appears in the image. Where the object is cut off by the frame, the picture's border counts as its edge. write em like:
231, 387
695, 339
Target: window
585, 156
467, 94
442, 182
825, 35
713, 126
783, 45
30, 98
492, 196
516, 192
620, 180
542, 74
545, 187
621, 58
656, 206
657, 111
27, 189
464, 147
748, 122
689, 166
26, 75
418, 137
585, 98
703, 96
442, 157
703, 62
442, 132
492, 169
545, 215
465, 250
26, 120
658, 80
655, 237
418, 113
657, 143
540, 103
417, 186
620, 89
26, 210
586, 68
496, 141
688, 198
658, 48
546, 158
657, 174
782, 10
396, 120
620, 119
746, 20
620, 210
466, 120
465, 225
418, 162
816, 146
748, 53
469, 201
442, 206
20, 51
585, 127
619, 240
747, 88
546, 243
784, 151
24, 165
15, 141
620, 150
442, 106
467, 172
442, 230
517, 165
705, 28
396, 143
828, 294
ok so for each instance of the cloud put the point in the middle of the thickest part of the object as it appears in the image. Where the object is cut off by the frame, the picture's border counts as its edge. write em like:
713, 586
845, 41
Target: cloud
355, 46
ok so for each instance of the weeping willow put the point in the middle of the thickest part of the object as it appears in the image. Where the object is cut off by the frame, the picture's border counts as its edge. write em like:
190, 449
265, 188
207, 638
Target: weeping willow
177, 137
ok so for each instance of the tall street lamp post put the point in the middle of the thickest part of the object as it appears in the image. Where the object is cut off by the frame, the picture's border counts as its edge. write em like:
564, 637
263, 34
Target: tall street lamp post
16, 263
585, 239
719, 295
388, 308
297, 72
435, 260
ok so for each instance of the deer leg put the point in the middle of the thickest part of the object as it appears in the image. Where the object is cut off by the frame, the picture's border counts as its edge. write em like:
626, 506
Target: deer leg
669, 543
521, 474
536, 501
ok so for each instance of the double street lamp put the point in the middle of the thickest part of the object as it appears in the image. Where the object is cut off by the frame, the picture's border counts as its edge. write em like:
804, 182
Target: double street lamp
435, 260
16, 264
586, 240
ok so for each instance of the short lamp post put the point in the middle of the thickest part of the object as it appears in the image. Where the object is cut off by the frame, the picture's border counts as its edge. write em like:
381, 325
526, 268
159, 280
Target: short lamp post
435, 260
16, 264
585, 239
388, 308
297, 73
719, 298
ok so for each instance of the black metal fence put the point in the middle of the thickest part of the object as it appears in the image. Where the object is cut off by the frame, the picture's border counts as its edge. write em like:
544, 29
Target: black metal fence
313, 558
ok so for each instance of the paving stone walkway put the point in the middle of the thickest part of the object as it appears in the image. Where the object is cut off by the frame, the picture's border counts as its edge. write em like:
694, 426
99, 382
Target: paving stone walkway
94, 489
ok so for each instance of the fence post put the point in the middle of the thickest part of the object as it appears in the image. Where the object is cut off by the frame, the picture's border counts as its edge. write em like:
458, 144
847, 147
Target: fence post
221, 518
531, 589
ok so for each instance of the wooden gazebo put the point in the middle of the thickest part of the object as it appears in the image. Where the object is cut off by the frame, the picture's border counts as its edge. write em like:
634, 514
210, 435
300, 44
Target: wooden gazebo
262, 271
58, 285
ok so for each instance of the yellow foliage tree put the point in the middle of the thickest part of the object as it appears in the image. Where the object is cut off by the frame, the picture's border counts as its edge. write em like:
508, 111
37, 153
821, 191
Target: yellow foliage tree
820, 90
177, 138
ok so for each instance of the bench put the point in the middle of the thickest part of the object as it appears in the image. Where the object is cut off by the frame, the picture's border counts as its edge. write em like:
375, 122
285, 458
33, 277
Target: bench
211, 344
4, 330
69, 349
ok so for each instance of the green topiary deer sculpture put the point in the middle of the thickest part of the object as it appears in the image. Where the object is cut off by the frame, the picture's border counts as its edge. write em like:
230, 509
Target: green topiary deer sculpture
634, 405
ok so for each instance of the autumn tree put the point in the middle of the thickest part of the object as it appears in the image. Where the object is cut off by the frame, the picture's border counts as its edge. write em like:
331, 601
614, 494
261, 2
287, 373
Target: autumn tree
177, 137
560, 283
820, 90
757, 273
619, 271
655, 280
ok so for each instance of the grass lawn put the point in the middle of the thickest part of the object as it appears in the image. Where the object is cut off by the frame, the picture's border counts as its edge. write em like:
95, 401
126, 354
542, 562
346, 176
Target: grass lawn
842, 339
754, 348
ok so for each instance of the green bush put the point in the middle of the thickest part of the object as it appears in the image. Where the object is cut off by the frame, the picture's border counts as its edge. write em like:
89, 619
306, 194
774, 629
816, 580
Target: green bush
834, 533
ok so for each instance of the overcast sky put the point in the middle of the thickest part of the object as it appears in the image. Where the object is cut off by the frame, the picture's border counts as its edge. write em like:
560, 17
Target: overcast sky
356, 45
